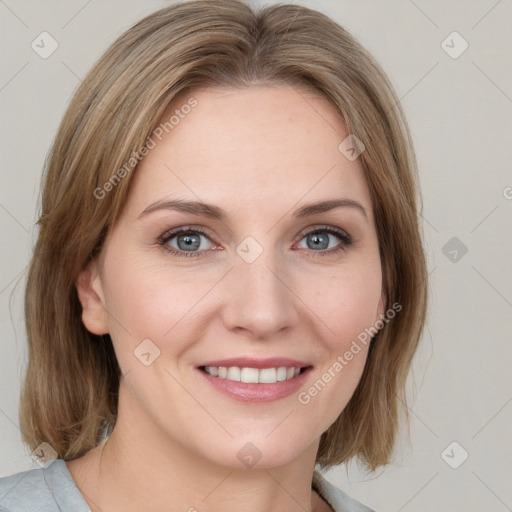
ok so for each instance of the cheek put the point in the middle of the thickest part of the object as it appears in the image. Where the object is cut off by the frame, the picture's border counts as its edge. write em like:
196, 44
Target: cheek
349, 310
142, 305
149, 298
348, 303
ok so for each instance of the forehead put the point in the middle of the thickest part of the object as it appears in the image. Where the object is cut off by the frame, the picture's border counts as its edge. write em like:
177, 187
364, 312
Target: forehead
252, 146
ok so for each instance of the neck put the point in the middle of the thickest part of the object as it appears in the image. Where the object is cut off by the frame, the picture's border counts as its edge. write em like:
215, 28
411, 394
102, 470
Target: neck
140, 468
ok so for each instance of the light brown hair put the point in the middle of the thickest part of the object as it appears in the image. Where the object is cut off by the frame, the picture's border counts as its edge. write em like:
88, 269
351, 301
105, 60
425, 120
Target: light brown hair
71, 386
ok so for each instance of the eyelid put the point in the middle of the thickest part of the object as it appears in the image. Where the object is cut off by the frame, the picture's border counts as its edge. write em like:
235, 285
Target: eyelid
345, 238
172, 233
344, 235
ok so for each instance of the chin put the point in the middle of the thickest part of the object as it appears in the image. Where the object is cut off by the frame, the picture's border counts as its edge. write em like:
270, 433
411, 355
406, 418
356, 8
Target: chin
258, 451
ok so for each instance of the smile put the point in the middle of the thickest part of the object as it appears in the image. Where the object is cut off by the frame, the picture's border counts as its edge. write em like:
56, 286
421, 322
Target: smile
253, 379
253, 375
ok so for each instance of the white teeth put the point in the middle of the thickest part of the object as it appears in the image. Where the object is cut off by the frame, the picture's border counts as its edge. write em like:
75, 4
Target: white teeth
253, 375
281, 373
233, 373
268, 375
249, 375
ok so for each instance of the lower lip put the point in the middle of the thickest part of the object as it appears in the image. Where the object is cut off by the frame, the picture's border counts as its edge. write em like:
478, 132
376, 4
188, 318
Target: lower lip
244, 392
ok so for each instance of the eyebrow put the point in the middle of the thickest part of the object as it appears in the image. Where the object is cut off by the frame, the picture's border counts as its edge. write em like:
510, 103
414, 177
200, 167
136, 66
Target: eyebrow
215, 212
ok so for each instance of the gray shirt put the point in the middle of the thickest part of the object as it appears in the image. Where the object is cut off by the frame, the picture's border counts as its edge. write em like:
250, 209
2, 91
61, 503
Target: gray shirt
52, 489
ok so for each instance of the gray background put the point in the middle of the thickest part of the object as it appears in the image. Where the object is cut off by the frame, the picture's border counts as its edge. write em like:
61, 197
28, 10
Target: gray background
460, 112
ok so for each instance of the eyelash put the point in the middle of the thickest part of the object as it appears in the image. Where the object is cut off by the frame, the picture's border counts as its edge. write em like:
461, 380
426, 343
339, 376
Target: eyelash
345, 239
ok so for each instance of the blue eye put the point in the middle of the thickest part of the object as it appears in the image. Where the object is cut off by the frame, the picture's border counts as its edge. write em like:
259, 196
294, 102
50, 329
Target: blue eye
188, 241
320, 237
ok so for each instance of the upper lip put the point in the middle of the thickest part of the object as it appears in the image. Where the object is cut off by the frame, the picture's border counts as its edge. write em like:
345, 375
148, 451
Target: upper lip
252, 362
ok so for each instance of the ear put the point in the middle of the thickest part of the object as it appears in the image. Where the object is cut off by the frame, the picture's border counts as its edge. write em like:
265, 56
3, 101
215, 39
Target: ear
90, 294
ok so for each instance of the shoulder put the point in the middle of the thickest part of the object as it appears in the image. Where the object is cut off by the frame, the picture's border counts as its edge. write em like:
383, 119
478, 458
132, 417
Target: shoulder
339, 501
25, 491
48, 489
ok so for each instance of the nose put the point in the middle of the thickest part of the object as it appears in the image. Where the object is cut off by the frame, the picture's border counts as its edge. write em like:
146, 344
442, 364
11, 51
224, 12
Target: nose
260, 299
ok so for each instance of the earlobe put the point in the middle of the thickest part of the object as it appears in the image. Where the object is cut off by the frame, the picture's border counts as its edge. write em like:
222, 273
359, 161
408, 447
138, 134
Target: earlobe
90, 294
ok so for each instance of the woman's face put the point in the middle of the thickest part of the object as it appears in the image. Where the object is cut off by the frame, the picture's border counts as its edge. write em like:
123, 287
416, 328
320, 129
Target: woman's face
258, 288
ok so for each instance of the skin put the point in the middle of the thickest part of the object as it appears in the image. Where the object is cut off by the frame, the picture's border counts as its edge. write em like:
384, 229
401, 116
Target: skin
259, 153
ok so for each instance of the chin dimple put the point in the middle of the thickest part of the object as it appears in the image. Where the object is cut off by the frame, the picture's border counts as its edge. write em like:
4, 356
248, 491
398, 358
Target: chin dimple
253, 375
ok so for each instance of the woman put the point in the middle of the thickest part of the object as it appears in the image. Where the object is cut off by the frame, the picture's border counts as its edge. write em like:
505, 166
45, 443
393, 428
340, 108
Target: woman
229, 282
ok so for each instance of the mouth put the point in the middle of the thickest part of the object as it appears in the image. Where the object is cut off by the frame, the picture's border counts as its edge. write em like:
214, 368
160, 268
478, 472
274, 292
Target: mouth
253, 380
250, 375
